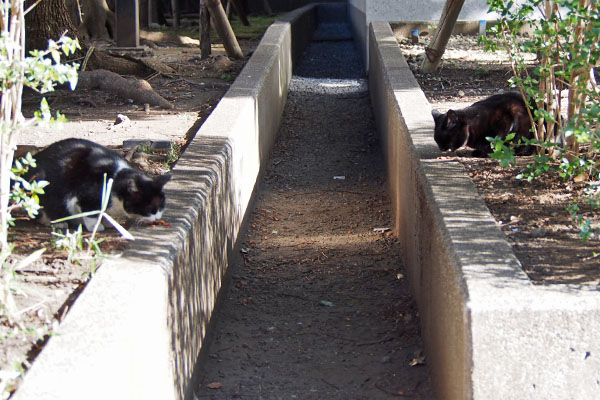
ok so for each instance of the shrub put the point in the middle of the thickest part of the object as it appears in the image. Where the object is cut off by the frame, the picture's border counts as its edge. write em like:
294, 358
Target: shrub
561, 84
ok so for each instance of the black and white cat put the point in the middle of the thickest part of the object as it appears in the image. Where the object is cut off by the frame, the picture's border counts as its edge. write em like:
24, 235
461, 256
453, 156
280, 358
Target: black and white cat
497, 115
75, 169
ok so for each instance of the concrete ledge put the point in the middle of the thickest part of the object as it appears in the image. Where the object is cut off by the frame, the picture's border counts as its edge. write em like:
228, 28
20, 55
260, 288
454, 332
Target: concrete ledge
403, 29
427, 28
137, 329
489, 332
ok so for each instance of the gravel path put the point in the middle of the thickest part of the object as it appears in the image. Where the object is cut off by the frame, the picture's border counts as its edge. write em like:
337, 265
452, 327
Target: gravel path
318, 306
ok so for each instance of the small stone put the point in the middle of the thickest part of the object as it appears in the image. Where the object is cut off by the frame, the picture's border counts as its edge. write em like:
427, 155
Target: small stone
161, 144
538, 232
121, 119
461, 93
214, 385
131, 143
222, 64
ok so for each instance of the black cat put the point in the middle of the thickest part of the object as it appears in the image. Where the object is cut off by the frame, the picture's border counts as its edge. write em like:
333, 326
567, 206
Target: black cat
75, 169
497, 115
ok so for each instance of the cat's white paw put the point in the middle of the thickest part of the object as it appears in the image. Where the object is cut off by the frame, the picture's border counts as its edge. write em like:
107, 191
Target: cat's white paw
90, 223
59, 225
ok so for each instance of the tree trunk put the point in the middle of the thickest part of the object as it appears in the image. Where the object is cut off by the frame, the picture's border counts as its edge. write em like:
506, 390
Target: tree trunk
74, 8
237, 6
205, 43
49, 19
10, 114
175, 13
438, 43
137, 90
232, 48
119, 65
267, 7
98, 21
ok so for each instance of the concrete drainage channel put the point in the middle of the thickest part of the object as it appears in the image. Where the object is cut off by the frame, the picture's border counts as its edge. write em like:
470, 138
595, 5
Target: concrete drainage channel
138, 328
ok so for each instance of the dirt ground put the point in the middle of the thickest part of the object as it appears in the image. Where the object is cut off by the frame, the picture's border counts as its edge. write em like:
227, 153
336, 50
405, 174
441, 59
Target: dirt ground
319, 307
532, 215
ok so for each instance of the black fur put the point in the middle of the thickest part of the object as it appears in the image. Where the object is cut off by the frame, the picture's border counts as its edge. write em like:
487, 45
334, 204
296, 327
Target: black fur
497, 115
75, 169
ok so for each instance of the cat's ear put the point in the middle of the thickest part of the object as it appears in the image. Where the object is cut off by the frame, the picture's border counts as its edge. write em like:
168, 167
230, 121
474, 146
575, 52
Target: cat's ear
451, 119
132, 186
436, 116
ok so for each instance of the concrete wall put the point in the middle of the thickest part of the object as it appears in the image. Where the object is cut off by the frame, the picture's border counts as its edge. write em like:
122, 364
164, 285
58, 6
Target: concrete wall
489, 332
363, 12
283, 5
358, 21
137, 329
424, 10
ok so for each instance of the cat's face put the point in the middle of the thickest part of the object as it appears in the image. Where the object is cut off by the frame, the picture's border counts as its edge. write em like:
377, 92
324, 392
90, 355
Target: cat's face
143, 196
450, 131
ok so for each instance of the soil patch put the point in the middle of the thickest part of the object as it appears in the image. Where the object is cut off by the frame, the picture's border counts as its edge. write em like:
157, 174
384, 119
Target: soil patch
533, 215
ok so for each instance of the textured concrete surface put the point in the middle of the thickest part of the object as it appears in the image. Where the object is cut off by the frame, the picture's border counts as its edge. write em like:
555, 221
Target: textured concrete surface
489, 332
137, 329
406, 10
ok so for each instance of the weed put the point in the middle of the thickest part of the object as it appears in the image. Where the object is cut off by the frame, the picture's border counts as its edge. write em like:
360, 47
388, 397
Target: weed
173, 155
145, 147
258, 26
71, 242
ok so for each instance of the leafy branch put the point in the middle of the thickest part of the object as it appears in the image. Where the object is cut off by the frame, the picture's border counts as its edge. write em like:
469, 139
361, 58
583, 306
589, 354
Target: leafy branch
561, 84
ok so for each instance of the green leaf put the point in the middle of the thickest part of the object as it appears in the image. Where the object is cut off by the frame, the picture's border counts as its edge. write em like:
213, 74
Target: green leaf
55, 56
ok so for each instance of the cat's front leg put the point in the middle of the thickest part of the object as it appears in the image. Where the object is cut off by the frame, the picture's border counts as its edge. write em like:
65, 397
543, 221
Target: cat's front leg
90, 223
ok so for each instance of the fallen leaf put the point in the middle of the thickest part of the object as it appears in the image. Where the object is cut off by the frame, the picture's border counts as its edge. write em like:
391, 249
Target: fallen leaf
583, 177
418, 360
381, 229
215, 385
